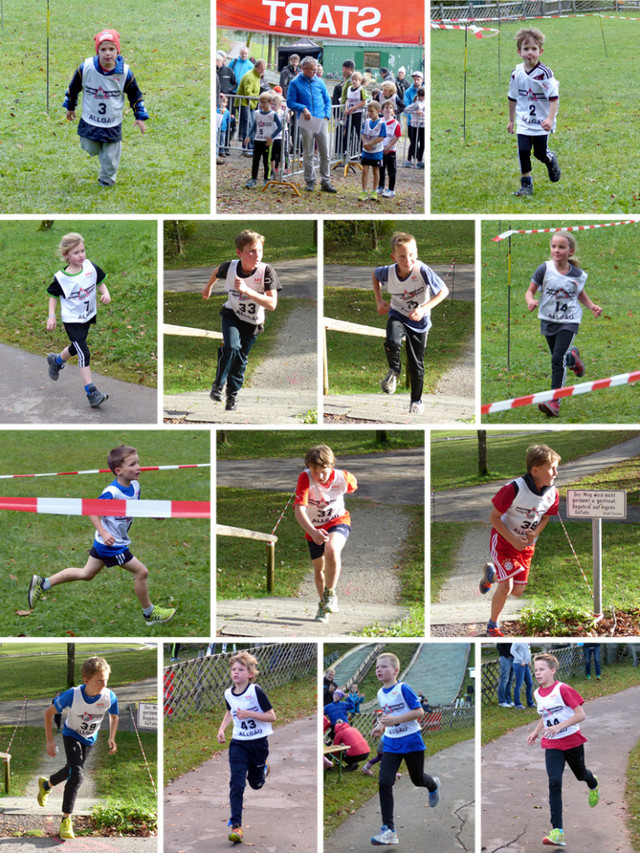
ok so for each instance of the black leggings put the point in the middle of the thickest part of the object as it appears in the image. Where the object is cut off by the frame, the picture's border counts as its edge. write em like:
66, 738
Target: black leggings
416, 143
560, 347
555, 760
540, 151
261, 151
72, 772
77, 333
388, 168
415, 344
389, 765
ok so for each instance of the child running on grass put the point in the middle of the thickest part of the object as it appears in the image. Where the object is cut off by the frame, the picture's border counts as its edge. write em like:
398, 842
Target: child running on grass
111, 541
252, 288
320, 511
252, 715
401, 740
75, 286
561, 712
533, 105
87, 704
104, 80
560, 282
415, 290
519, 514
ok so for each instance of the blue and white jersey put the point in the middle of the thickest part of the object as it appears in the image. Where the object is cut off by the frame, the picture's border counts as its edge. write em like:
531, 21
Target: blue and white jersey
532, 91
420, 286
118, 526
85, 713
372, 130
405, 737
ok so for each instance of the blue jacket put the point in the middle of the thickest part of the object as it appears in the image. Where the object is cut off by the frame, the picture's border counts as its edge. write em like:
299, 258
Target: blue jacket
310, 93
240, 68
410, 94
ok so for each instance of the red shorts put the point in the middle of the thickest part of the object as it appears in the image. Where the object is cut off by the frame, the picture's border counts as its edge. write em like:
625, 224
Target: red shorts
510, 564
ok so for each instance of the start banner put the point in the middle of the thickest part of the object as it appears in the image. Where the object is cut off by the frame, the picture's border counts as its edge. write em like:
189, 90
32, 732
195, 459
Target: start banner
400, 22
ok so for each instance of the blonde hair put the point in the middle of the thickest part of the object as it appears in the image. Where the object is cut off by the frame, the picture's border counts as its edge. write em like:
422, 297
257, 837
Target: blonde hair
573, 245
400, 238
248, 238
549, 659
320, 456
394, 659
538, 454
356, 77
375, 106
388, 84
265, 97
69, 242
93, 665
247, 660
526, 33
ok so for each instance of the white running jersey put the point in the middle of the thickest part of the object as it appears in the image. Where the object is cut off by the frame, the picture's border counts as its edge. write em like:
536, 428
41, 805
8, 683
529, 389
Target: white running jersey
118, 526
527, 509
247, 729
354, 98
265, 124
103, 95
393, 702
408, 294
85, 718
242, 306
531, 91
326, 503
391, 140
79, 303
553, 710
559, 295
370, 131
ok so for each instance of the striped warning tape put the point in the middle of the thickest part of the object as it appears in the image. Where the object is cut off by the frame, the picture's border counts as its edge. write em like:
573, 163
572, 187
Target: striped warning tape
559, 393
105, 471
96, 506
506, 234
506, 20
479, 32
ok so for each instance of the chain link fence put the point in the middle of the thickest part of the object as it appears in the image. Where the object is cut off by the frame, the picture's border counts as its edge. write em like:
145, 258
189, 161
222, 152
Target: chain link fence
525, 9
570, 658
193, 686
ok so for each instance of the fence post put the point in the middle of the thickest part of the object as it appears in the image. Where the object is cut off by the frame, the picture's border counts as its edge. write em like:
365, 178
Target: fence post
271, 565
7, 771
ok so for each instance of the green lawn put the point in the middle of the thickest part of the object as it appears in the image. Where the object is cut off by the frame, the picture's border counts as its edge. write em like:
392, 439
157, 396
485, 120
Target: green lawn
41, 165
176, 551
247, 444
594, 147
207, 243
608, 345
123, 342
357, 363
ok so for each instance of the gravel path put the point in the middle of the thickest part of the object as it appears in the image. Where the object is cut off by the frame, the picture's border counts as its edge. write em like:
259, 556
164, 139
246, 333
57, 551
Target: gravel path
291, 362
459, 380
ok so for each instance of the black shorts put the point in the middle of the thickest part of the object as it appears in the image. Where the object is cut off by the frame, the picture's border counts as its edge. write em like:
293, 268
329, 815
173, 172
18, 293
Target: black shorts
369, 161
117, 559
318, 550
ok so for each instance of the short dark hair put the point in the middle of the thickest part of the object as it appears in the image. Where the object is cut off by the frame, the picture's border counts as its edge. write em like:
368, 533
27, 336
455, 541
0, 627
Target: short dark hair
116, 457
384, 70
349, 63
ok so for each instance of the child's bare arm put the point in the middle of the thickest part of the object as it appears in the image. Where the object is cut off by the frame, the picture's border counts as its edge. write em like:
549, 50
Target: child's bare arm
114, 719
419, 312
263, 716
395, 719
381, 305
512, 116
49, 714
495, 519
534, 734
107, 538
596, 310
318, 536
51, 319
529, 297
223, 725
141, 125
206, 291
268, 299
577, 717
105, 297
547, 123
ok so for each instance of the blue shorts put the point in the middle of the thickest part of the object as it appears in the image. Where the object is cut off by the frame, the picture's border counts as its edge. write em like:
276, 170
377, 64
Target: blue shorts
112, 560
318, 550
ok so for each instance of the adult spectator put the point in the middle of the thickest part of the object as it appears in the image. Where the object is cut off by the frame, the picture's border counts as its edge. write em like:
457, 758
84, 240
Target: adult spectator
506, 675
521, 667
226, 78
387, 75
309, 98
289, 72
348, 67
412, 91
402, 84
592, 650
241, 64
249, 85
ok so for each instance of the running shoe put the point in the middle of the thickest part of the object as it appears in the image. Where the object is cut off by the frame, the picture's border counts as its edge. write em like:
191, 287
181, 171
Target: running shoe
322, 615
35, 590
251, 183
232, 404
54, 367
159, 615
524, 189
551, 408
434, 796
553, 168
385, 836
216, 393
363, 196
494, 632
389, 382
366, 769
331, 602
43, 792
236, 834
374, 196
389, 194
555, 837
66, 828
578, 364
488, 577
416, 408
328, 188
594, 794
95, 397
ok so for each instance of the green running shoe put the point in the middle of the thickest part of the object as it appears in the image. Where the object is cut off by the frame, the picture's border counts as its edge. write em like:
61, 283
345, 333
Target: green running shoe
594, 795
555, 837
159, 615
66, 828
43, 793
35, 590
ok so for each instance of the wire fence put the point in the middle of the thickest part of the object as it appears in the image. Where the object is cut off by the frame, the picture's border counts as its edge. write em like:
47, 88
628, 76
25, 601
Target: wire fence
570, 658
524, 9
194, 686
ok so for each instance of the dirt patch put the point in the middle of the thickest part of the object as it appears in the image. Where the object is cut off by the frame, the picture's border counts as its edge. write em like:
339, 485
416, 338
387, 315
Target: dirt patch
618, 624
42, 826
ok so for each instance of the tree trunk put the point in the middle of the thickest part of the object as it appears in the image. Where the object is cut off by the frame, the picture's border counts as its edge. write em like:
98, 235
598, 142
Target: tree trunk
483, 466
381, 435
46, 225
71, 664
177, 237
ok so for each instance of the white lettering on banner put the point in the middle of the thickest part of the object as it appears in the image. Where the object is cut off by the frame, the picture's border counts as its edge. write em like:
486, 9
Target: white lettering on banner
297, 17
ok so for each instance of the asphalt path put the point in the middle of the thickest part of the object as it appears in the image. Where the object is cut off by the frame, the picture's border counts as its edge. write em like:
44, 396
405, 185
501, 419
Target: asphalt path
515, 804
28, 396
461, 281
299, 279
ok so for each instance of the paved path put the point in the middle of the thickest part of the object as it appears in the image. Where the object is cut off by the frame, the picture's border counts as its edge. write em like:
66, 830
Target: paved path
394, 409
279, 818
447, 828
82, 845
461, 283
299, 278
28, 396
515, 810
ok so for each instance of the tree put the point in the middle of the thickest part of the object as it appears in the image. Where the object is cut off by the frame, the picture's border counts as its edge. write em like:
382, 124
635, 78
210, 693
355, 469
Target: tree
381, 435
483, 466
45, 225
71, 664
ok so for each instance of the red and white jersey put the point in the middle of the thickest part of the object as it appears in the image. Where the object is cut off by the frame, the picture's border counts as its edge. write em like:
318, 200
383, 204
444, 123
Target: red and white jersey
556, 704
325, 503
79, 303
559, 294
243, 306
249, 728
532, 91
394, 132
522, 508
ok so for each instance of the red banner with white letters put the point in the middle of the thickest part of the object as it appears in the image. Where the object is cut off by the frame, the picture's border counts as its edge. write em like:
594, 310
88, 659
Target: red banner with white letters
379, 21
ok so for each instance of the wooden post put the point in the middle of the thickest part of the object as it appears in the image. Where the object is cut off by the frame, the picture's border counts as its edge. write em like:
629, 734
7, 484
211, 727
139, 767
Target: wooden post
271, 565
7, 771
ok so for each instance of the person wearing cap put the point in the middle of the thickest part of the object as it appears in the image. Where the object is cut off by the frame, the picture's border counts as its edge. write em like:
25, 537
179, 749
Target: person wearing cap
104, 79
402, 84
409, 97
387, 76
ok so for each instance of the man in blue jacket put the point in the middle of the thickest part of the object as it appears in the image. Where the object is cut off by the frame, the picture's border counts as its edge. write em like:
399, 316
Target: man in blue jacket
308, 97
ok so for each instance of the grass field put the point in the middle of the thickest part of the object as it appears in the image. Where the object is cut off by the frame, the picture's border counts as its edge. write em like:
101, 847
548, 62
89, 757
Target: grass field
41, 165
123, 342
208, 243
595, 136
353, 370
176, 552
608, 345
244, 444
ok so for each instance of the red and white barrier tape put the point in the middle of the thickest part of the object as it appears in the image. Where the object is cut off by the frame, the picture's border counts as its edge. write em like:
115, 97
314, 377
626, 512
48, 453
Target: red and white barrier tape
559, 393
477, 31
105, 471
89, 506
506, 234
506, 19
